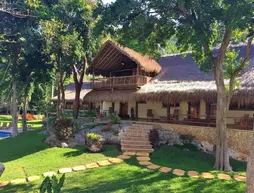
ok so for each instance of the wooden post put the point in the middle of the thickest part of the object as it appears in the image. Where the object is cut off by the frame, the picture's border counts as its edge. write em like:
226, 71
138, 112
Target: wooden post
168, 111
136, 110
93, 79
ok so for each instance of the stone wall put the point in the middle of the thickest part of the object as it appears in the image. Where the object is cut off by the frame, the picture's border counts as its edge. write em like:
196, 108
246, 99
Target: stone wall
238, 140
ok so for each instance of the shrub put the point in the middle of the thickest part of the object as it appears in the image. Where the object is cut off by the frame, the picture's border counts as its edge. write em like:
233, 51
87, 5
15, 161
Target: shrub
94, 139
77, 126
52, 184
114, 119
63, 129
154, 138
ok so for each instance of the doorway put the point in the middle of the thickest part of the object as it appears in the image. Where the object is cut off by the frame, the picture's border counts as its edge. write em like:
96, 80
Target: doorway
124, 110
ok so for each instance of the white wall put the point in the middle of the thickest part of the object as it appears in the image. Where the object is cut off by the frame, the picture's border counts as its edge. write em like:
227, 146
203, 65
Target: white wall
156, 107
233, 114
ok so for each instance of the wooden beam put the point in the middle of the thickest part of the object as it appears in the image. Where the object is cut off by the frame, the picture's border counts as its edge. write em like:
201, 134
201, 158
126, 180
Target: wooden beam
106, 57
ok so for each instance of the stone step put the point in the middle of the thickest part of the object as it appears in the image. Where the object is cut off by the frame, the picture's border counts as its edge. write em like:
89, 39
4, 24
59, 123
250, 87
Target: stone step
147, 150
136, 146
137, 135
135, 138
135, 142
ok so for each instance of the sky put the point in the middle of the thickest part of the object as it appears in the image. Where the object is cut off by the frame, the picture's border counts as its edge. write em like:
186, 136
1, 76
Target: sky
108, 1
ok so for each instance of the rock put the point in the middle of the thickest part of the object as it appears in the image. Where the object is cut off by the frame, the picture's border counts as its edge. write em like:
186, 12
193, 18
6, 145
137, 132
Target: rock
33, 178
153, 166
18, 181
207, 175
130, 153
124, 157
145, 163
115, 160
52, 141
193, 174
169, 136
78, 168
64, 145
165, 169
92, 165
237, 155
50, 174
224, 177
80, 138
64, 170
143, 159
2, 168
104, 163
207, 146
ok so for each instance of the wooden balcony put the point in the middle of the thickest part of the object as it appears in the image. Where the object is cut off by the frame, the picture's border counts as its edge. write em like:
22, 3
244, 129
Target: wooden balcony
121, 82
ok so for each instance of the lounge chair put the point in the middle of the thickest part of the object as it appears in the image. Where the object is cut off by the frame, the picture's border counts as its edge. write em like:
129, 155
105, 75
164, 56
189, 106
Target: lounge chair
4, 126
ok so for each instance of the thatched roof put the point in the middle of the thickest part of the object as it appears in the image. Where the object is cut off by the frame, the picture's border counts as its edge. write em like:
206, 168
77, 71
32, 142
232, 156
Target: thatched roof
112, 56
70, 92
108, 95
181, 80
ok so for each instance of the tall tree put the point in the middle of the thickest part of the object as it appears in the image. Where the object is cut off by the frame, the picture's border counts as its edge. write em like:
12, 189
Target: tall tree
67, 31
198, 25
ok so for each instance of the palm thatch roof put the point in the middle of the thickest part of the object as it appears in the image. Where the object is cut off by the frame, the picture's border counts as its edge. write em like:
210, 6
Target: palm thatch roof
181, 79
108, 95
70, 92
114, 57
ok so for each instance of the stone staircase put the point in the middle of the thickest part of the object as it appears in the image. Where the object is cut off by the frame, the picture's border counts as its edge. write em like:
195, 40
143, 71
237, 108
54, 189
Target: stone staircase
136, 139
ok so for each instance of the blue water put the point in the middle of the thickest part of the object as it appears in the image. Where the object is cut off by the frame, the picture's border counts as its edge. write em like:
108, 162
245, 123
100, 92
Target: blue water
4, 134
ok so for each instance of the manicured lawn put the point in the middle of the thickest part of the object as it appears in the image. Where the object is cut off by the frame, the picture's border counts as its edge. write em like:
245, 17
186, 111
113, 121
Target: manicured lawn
28, 155
28, 152
130, 177
191, 160
35, 124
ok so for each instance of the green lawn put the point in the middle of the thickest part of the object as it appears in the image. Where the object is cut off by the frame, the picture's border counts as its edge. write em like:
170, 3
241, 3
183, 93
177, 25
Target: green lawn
130, 177
28, 151
35, 124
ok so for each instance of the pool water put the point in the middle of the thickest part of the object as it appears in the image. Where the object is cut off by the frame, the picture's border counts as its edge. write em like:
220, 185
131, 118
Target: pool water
4, 134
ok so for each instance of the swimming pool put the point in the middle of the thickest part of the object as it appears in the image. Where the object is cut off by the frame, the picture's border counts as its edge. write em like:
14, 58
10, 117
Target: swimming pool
4, 134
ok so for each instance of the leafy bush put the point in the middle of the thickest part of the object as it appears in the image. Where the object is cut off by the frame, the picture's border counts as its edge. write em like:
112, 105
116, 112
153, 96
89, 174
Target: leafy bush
77, 126
63, 129
94, 139
154, 138
90, 114
52, 184
114, 119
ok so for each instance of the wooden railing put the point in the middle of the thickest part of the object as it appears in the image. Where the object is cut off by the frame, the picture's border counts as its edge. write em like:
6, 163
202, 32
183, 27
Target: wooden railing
120, 82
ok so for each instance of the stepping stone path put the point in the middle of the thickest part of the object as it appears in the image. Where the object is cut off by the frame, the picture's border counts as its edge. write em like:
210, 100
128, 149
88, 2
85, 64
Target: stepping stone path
178, 172
92, 165
193, 174
224, 177
143, 158
64, 170
18, 181
207, 175
78, 168
124, 157
103, 163
115, 160
240, 178
153, 166
49, 174
165, 169
33, 178
145, 163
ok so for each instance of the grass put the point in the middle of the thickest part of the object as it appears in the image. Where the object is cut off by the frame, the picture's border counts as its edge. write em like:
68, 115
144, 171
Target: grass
35, 124
28, 151
129, 177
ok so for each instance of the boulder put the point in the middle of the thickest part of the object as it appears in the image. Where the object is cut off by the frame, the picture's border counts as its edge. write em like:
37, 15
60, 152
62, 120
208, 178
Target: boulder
169, 136
207, 146
52, 141
64, 145
2, 168
80, 138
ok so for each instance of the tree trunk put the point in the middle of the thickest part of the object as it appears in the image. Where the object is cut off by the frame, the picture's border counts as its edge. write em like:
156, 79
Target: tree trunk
14, 109
24, 113
61, 87
78, 87
58, 108
250, 170
222, 156
76, 103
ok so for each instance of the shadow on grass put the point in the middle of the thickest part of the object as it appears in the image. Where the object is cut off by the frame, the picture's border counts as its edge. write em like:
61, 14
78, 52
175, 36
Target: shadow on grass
24, 144
189, 160
108, 151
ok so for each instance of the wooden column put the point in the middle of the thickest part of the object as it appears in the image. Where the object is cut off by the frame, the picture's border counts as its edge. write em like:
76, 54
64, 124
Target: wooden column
93, 79
113, 107
168, 111
136, 110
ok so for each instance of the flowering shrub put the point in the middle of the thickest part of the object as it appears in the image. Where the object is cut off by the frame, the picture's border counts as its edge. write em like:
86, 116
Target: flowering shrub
94, 139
